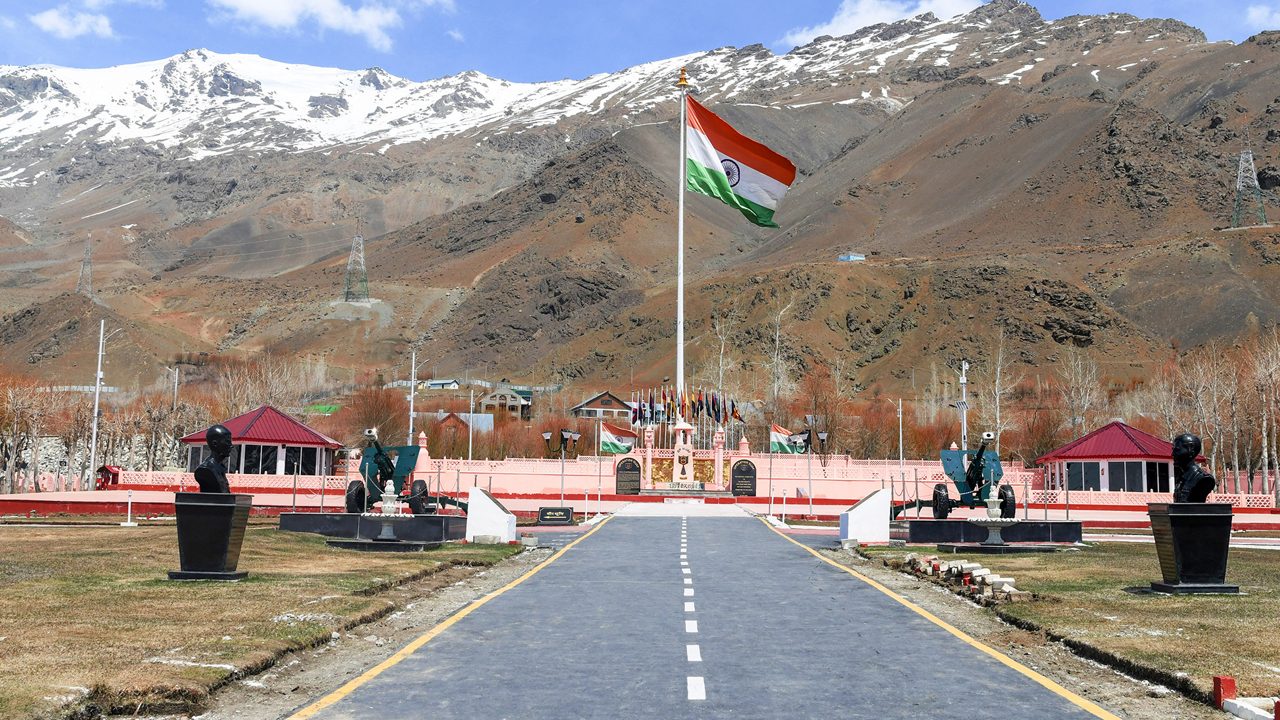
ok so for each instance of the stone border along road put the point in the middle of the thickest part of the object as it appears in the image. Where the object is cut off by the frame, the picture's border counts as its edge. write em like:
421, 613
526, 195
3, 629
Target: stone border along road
597, 631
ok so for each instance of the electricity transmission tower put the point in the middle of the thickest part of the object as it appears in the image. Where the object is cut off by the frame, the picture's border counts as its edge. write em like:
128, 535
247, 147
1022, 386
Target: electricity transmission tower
1248, 194
357, 282
85, 285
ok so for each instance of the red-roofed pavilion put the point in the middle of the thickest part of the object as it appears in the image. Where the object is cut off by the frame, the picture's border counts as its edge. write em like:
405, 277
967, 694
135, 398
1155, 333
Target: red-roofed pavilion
269, 442
1114, 457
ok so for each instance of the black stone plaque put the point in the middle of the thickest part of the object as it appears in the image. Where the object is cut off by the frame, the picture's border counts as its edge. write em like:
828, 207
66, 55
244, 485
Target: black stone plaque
555, 516
628, 478
743, 478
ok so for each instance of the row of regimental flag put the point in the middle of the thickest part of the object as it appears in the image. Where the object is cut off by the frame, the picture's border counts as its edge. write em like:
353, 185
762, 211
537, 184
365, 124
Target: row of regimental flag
617, 440
666, 404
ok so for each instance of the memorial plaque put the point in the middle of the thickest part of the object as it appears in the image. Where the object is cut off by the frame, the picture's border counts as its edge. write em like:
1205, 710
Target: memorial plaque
743, 478
627, 481
555, 516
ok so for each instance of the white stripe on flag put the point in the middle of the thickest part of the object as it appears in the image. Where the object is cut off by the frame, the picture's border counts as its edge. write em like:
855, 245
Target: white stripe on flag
752, 184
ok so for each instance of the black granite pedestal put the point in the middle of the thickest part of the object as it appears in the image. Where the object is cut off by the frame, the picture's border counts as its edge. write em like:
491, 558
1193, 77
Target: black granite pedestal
1192, 540
210, 532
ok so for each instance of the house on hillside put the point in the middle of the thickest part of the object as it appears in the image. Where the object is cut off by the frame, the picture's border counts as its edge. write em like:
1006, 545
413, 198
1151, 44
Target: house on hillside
449, 384
1115, 457
515, 402
605, 405
268, 442
459, 422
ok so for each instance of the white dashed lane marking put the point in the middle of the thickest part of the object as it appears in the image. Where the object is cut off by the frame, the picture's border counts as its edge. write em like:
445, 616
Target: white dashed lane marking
693, 652
691, 626
697, 690
688, 607
688, 592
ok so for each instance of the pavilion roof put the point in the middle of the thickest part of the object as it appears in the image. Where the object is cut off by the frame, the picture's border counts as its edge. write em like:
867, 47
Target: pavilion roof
268, 426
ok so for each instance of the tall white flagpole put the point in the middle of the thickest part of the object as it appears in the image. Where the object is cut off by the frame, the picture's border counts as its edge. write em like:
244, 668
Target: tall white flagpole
683, 84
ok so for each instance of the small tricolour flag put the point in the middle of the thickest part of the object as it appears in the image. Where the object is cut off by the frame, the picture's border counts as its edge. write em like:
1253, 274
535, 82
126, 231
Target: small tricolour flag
616, 440
780, 440
727, 165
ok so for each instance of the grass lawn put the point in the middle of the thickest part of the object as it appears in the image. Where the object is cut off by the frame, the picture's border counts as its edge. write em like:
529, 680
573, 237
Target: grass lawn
1083, 598
91, 608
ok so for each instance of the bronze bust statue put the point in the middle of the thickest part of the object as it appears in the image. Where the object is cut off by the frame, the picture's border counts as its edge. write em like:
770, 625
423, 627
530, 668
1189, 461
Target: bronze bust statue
212, 473
1192, 483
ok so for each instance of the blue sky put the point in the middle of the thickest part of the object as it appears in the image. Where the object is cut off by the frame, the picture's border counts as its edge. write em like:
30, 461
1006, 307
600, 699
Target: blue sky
523, 40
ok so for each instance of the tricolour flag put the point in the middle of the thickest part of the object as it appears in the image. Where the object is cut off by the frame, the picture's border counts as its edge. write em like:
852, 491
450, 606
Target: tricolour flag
740, 172
616, 440
780, 440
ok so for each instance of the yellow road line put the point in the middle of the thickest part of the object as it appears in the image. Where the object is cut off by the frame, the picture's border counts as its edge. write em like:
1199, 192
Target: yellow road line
1048, 684
411, 648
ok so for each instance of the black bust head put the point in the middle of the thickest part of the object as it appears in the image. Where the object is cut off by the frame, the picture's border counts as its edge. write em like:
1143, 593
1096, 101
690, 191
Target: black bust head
218, 438
1191, 482
1185, 448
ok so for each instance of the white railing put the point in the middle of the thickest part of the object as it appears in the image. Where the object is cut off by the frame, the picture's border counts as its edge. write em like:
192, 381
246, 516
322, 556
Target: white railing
1124, 497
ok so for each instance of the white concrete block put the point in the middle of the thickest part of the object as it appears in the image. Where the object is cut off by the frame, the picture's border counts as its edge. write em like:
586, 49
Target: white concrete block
487, 516
868, 520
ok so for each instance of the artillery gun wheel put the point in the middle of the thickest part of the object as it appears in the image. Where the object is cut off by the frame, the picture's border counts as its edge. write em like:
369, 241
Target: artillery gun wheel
1008, 503
941, 502
418, 491
356, 496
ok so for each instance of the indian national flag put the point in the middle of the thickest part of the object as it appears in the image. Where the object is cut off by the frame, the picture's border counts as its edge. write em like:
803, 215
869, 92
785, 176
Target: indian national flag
616, 440
779, 440
725, 164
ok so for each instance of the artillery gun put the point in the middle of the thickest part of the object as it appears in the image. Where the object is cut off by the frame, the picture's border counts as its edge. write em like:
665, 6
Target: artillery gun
377, 467
974, 483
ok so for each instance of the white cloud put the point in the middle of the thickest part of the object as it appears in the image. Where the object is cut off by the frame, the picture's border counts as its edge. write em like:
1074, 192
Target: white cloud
371, 20
65, 23
100, 4
853, 15
456, 35
1263, 17
448, 7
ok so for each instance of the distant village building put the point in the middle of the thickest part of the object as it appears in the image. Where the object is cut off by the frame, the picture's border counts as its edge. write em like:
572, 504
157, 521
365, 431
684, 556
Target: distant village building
269, 442
1115, 457
450, 384
514, 402
459, 422
605, 405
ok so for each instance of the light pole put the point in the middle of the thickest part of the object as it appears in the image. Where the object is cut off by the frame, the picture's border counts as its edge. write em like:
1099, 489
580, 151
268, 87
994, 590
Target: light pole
413, 389
964, 405
97, 394
175, 372
568, 438
822, 449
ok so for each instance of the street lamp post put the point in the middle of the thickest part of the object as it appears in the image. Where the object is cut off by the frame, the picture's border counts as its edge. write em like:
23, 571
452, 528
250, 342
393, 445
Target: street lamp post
97, 394
413, 389
822, 448
568, 438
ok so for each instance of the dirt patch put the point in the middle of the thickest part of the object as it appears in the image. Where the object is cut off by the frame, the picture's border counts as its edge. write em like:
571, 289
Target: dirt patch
1121, 694
307, 675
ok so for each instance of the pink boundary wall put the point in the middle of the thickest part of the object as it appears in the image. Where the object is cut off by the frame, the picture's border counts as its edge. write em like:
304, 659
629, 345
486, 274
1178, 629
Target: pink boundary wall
836, 483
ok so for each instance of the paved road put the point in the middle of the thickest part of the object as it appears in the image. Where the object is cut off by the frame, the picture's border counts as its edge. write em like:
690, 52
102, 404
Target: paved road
752, 626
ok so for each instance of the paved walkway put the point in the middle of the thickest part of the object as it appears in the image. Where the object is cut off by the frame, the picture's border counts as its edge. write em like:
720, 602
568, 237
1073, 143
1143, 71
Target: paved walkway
704, 617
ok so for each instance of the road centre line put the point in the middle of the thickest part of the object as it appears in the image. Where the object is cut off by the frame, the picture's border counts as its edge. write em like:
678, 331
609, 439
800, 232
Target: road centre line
688, 607
691, 626
688, 592
693, 652
697, 690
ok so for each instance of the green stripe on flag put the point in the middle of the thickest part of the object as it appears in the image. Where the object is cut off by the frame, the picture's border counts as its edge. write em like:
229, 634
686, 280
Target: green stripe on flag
715, 183
615, 448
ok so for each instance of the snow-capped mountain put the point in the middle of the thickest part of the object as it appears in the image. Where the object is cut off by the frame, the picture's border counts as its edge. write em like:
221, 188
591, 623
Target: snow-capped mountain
203, 103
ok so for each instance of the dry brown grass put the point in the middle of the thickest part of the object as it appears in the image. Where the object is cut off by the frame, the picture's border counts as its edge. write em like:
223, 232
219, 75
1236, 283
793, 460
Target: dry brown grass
91, 608
1082, 596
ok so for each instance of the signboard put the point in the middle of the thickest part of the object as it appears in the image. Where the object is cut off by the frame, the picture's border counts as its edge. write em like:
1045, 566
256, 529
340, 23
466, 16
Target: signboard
743, 478
627, 481
555, 516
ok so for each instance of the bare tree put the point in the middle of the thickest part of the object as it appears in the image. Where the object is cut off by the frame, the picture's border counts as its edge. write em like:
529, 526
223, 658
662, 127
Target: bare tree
1081, 387
1001, 380
723, 326
777, 367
